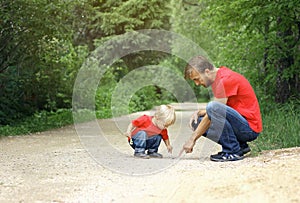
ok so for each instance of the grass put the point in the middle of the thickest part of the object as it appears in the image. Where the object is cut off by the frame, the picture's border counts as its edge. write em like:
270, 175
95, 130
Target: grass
281, 125
43, 121
39, 122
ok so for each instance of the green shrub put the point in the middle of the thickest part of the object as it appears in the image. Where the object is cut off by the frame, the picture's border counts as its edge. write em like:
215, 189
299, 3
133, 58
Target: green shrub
148, 97
40, 121
281, 127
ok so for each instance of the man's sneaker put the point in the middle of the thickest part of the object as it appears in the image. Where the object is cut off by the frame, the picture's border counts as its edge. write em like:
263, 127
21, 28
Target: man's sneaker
223, 156
246, 150
141, 155
155, 155
245, 147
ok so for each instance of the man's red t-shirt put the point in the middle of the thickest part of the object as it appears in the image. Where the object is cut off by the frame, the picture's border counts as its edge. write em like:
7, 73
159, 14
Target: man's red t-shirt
145, 123
240, 94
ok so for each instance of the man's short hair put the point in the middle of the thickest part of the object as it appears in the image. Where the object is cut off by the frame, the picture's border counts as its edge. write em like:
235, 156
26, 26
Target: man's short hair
200, 63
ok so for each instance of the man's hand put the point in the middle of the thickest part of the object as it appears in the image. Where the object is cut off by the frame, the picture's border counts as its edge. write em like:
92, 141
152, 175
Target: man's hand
194, 117
188, 146
201, 112
201, 129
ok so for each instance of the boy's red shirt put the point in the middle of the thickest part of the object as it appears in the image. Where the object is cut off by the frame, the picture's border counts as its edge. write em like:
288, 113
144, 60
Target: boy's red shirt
145, 123
240, 94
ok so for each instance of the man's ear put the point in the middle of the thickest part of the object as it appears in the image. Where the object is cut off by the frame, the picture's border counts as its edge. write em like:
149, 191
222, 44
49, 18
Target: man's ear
207, 72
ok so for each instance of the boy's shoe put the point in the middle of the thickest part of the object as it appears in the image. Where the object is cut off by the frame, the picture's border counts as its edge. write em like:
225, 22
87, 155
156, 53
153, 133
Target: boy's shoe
141, 155
155, 155
223, 156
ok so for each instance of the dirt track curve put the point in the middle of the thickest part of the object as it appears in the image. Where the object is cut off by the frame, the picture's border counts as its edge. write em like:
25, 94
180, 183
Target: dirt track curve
75, 165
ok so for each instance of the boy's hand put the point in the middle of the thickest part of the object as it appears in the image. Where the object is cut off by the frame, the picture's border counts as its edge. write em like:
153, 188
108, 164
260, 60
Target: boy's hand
170, 149
127, 134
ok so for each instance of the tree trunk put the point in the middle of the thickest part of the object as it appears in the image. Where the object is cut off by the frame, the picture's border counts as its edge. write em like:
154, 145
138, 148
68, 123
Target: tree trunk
282, 83
284, 63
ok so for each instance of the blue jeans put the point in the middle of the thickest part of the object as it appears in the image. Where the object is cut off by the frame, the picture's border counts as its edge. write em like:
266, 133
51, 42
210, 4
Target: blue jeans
141, 142
228, 127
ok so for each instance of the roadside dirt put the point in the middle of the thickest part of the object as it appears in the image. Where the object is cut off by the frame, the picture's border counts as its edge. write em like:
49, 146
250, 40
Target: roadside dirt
62, 166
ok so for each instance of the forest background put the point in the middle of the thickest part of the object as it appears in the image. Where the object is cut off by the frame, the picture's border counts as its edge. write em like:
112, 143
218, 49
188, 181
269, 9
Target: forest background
43, 44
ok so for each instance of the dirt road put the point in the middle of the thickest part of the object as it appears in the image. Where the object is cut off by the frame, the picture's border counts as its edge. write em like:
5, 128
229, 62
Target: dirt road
64, 165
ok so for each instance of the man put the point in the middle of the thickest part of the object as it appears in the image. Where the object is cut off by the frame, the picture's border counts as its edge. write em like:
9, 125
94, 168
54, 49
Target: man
232, 119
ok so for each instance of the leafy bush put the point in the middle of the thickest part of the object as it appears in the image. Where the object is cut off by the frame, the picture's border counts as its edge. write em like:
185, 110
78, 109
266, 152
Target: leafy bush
103, 101
148, 97
14, 104
281, 127
40, 121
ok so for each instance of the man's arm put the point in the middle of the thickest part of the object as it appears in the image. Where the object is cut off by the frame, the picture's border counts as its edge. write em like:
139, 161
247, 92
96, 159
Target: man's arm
222, 100
201, 129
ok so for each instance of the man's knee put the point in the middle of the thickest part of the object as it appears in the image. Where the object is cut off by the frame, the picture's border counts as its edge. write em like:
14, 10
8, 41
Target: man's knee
213, 107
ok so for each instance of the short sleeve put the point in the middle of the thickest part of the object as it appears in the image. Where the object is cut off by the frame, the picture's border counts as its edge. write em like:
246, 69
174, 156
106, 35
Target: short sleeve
164, 134
230, 87
140, 121
225, 85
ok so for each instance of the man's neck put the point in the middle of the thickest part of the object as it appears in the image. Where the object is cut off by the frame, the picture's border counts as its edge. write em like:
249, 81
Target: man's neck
214, 73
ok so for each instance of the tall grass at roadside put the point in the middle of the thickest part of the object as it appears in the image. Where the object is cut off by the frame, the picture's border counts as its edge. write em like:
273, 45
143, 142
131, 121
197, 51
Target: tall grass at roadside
43, 121
281, 125
40, 121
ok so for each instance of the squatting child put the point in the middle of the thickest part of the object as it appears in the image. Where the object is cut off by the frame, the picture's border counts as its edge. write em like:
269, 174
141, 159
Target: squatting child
146, 132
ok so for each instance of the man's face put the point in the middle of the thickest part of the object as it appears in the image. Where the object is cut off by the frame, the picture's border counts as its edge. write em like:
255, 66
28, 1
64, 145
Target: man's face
199, 78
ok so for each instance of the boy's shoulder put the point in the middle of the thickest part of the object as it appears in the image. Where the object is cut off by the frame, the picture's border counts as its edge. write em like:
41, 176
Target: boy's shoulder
144, 118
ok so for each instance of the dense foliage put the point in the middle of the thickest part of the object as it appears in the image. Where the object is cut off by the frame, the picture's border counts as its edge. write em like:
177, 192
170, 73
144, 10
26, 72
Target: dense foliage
44, 43
38, 59
259, 38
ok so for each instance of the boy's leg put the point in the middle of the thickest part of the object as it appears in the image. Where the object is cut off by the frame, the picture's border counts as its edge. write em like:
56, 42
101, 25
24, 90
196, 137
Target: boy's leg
152, 145
139, 143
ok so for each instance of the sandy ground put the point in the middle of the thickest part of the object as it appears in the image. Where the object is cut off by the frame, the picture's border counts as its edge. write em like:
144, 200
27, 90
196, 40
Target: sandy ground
92, 162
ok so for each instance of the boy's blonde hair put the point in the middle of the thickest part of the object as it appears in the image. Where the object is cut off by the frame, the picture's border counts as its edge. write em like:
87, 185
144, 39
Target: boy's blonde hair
166, 113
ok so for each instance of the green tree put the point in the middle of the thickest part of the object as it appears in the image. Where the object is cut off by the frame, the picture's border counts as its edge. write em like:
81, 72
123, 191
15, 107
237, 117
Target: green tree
99, 21
264, 36
37, 56
257, 38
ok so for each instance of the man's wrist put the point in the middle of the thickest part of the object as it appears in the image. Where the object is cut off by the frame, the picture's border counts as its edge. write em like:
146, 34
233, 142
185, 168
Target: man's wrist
201, 112
193, 138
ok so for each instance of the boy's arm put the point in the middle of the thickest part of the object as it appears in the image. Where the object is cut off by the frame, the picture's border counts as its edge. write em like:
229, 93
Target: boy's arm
168, 145
201, 129
130, 128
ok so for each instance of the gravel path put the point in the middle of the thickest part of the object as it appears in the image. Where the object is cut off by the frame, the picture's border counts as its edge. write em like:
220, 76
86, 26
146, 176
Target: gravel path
67, 165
